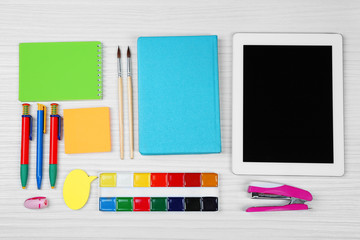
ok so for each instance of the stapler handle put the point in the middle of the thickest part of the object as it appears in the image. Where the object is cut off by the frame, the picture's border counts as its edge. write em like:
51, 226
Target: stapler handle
289, 207
279, 189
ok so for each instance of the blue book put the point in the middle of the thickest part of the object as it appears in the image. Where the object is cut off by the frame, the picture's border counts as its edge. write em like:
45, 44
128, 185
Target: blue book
178, 84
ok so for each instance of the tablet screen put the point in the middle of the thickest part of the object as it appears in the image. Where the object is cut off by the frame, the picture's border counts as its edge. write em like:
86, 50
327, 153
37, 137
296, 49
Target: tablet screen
288, 114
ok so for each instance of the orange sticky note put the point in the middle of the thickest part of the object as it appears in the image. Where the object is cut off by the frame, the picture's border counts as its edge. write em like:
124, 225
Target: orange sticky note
87, 130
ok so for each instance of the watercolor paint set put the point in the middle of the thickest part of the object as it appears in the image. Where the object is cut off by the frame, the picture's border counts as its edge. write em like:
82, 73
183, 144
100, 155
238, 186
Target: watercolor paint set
128, 191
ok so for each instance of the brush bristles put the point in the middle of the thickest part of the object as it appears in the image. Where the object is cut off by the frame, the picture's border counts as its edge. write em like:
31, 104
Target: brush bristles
128, 53
118, 53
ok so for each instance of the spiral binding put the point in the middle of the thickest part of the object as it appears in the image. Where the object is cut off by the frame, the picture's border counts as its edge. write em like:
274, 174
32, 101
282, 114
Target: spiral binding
99, 70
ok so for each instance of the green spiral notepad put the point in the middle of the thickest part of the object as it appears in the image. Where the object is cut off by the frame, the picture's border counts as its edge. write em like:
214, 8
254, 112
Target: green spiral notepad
58, 71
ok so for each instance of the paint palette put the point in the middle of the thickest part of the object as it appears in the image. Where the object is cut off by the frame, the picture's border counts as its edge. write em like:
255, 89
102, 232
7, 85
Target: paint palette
127, 191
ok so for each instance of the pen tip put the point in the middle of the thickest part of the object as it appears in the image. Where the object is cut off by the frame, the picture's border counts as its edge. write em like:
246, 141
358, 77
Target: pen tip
118, 53
52, 187
128, 52
23, 187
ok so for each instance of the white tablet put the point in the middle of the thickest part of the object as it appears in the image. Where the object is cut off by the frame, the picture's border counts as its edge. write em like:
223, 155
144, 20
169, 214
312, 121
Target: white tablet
288, 104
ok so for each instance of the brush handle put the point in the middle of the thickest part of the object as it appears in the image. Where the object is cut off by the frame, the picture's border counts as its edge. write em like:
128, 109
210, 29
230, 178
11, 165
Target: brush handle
131, 120
121, 117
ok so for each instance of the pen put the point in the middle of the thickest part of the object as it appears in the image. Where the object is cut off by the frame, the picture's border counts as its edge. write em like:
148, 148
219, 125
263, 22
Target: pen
26, 131
130, 99
55, 131
41, 128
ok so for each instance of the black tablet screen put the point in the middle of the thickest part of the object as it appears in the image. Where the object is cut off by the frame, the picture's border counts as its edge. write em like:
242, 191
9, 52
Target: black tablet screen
288, 115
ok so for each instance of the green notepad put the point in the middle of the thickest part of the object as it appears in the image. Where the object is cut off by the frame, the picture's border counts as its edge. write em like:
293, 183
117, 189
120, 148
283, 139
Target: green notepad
60, 71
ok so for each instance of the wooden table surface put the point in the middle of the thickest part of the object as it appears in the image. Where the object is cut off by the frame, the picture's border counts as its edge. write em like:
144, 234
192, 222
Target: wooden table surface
335, 212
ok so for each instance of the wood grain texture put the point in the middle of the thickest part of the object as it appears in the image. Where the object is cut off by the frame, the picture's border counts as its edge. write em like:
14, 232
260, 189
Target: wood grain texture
335, 210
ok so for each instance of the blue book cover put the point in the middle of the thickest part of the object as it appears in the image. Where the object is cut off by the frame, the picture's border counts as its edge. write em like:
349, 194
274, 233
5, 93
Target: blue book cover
178, 84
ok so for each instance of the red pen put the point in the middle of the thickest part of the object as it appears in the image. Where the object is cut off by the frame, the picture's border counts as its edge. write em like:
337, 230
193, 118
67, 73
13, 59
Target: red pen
26, 131
55, 130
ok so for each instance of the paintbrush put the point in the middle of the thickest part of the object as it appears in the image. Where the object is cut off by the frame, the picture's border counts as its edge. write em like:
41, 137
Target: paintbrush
121, 107
130, 100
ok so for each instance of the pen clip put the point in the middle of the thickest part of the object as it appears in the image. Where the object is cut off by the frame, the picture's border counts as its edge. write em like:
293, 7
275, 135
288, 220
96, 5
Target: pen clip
42, 107
44, 119
59, 128
31, 123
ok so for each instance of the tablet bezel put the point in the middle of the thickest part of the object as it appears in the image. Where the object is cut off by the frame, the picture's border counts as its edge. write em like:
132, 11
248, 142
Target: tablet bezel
264, 168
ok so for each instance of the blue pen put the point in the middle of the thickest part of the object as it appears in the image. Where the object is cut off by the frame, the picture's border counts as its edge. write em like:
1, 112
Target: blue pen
41, 129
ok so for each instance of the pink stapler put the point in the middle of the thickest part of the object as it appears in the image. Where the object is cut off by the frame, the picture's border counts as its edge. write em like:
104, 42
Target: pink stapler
266, 190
